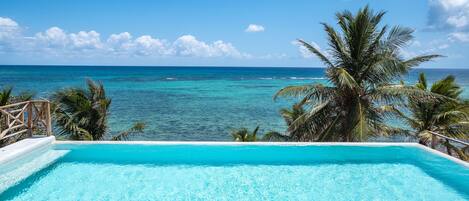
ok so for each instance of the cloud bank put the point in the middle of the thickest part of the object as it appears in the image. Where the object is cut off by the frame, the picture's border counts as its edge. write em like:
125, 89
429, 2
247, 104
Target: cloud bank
56, 41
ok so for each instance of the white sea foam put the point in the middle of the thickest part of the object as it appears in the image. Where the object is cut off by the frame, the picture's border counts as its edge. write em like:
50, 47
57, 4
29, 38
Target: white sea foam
171, 78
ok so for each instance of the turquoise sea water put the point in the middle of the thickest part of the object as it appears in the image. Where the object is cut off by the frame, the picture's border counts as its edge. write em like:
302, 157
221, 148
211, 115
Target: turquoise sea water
248, 172
186, 103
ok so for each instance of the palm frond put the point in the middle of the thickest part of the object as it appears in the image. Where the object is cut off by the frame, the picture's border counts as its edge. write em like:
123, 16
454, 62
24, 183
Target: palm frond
344, 79
137, 128
315, 51
398, 37
308, 92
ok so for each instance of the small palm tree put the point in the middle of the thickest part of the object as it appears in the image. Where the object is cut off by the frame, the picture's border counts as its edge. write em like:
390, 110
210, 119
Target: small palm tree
362, 62
82, 114
449, 117
244, 135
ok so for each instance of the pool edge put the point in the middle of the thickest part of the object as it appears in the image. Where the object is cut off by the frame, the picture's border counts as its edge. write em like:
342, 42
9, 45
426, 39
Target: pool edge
24, 147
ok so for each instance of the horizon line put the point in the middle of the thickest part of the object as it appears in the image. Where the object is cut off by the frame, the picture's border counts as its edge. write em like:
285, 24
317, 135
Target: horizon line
196, 66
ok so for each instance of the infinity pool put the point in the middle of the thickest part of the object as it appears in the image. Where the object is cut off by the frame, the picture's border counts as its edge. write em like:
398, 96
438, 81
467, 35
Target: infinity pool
233, 172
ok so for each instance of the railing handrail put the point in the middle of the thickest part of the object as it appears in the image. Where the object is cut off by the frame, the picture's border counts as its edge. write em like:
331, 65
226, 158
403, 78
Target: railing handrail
449, 138
24, 117
24, 102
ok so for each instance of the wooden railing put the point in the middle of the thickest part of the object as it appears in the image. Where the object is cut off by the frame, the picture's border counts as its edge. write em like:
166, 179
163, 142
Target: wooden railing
31, 117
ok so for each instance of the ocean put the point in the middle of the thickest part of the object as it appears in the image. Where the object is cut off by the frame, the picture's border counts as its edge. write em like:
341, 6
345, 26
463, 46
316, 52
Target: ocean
187, 103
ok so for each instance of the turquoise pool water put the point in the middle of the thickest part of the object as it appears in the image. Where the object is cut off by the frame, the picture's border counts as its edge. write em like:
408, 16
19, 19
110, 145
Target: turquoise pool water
249, 172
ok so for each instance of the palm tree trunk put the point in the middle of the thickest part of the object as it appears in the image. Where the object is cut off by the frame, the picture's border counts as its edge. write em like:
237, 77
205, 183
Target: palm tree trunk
434, 141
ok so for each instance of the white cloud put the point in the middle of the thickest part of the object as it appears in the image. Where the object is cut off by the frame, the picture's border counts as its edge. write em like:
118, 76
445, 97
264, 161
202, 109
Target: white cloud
7, 22
458, 21
274, 56
56, 41
188, 45
86, 40
254, 28
120, 42
8, 28
146, 45
460, 36
449, 14
53, 37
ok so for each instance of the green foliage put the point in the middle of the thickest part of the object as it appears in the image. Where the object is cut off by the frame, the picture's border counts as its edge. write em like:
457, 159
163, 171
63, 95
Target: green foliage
362, 62
274, 136
448, 117
244, 135
7, 97
82, 114
303, 133
137, 128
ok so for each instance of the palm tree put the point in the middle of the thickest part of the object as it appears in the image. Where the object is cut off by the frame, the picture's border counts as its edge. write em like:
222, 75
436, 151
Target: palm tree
363, 59
243, 135
82, 114
449, 118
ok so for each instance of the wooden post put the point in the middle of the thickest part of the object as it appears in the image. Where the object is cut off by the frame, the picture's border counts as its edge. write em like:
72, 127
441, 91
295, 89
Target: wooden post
48, 118
30, 118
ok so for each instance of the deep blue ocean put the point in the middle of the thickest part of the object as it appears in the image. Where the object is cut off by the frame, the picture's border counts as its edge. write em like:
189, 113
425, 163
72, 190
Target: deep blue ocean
187, 103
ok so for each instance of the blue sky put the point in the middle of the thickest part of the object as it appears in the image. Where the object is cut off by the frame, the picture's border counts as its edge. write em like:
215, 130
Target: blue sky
211, 32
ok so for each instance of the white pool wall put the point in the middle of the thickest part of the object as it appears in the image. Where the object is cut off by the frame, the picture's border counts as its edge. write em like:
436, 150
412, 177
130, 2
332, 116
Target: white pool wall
23, 147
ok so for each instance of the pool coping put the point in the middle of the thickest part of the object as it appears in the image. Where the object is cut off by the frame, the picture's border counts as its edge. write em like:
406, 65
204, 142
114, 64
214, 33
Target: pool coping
21, 148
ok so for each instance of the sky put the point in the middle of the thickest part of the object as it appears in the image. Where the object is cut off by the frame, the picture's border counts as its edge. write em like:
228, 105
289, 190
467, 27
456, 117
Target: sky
212, 32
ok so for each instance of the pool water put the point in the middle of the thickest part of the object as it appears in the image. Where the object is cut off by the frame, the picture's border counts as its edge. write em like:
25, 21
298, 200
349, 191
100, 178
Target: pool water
252, 172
